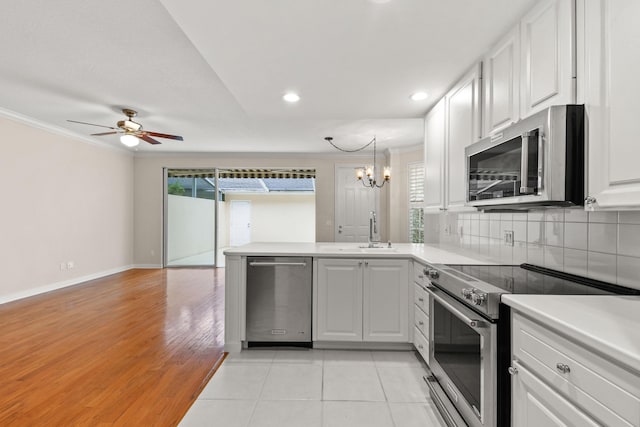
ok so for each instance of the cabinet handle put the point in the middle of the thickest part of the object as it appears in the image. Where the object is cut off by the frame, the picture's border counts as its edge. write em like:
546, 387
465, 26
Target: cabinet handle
359, 263
512, 370
366, 263
420, 346
421, 323
565, 369
420, 276
421, 299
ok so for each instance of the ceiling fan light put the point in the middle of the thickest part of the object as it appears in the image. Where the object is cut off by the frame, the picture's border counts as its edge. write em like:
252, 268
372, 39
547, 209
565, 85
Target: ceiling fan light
129, 140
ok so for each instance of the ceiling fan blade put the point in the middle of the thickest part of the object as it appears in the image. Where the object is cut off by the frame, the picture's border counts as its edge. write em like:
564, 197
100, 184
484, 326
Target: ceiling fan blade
91, 124
104, 133
148, 139
164, 135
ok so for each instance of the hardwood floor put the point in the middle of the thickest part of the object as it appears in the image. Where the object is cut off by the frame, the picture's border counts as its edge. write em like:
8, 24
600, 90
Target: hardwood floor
132, 349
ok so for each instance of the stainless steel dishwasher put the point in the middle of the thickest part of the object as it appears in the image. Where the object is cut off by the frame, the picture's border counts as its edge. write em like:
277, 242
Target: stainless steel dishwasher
279, 301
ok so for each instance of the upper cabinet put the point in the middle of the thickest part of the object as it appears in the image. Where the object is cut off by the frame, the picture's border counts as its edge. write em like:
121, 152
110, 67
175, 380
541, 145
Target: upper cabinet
502, 83
434, 146
547, 56
450, 126
463, 127
608, 46
532, 67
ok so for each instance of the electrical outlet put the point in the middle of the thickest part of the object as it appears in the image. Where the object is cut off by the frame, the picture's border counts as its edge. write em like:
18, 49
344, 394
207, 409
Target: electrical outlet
70, 265
508, 237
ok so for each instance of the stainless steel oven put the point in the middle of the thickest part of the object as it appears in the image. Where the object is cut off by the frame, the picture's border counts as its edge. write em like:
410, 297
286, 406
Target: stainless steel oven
538, 161
463, 360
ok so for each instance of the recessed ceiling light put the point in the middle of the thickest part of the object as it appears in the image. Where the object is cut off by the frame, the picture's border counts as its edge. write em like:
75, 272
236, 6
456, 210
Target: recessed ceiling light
419, 96
291, 97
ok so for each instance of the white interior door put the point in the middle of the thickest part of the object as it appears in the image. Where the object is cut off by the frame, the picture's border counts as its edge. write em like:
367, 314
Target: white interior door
353, 204
240, 222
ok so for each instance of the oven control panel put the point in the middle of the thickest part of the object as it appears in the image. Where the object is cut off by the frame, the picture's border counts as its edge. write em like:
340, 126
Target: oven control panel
475, 296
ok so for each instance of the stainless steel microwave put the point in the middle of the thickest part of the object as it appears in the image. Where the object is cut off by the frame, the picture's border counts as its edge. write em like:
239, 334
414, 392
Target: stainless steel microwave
538, 161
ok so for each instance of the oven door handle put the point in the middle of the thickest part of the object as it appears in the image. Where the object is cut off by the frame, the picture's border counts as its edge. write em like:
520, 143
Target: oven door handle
473, 323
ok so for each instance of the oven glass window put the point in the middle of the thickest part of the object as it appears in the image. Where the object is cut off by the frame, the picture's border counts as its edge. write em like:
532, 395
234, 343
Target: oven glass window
457, 350
496, 172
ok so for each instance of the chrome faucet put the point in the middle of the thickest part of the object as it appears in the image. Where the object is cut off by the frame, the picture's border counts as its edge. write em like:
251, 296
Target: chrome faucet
374, 237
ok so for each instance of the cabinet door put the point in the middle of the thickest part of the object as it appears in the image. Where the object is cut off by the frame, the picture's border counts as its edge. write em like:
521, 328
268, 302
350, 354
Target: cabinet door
502, 83
535, 404
547, 57
463, 128
434, 145
339, 300
386, 301
609, 44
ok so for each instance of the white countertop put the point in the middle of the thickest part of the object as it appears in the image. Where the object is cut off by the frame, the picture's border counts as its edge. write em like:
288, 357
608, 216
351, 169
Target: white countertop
608, 324
434, 254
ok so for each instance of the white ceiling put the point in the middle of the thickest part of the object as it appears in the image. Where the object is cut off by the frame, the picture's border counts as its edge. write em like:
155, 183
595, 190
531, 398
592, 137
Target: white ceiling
215, 71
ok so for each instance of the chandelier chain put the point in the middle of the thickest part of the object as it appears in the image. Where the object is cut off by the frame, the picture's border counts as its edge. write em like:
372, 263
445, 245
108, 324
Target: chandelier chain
330, 141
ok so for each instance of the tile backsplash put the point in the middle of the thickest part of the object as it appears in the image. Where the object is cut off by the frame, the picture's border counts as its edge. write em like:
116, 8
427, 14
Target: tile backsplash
601, 245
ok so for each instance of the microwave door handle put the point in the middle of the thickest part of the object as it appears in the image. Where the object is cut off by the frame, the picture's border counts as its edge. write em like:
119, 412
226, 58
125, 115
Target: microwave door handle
524, 165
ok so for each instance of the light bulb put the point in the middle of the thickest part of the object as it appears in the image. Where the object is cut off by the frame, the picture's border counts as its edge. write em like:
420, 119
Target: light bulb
369, 171
291, 97
386, 173
129, 140
359, 174
419, 96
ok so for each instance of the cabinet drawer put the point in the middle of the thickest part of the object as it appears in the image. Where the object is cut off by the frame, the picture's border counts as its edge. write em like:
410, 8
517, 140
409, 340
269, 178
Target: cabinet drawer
421, 298
421, 343
421, 321
608, 392
418, 273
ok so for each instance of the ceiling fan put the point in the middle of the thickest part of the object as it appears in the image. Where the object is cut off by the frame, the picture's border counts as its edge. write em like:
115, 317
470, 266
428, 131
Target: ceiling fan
131, 131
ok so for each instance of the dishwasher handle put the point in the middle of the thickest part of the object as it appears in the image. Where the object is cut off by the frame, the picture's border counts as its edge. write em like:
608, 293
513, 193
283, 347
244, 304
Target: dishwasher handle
276, 263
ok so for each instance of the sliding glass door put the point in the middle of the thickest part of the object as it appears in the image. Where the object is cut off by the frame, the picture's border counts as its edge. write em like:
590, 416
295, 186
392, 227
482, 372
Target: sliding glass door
191, 208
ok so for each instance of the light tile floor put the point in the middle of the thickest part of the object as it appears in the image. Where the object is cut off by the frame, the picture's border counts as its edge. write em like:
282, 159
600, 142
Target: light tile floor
316, 388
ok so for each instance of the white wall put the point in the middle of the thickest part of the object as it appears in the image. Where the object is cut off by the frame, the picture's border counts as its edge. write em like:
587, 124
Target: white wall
191, 228
280, 217
62, 200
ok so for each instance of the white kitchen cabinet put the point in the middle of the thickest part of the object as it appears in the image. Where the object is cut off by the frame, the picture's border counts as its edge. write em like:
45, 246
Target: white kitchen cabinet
421, 311
386, 301
559, 381
535, 404
547, 56
362, 300
339, 300
434, 149
501, 79
608, 46
463, 127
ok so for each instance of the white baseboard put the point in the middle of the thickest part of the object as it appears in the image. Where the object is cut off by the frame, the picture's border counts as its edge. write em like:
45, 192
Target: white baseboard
63, 284
147, 266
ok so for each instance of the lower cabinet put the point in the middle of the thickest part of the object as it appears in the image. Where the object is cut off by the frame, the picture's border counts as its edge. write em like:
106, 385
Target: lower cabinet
557, 381
362, 300
536, 404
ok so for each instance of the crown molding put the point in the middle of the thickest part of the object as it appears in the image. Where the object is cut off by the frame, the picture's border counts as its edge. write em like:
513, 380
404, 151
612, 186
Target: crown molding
38, 124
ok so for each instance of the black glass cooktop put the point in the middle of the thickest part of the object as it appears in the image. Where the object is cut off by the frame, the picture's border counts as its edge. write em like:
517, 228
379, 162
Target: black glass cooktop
531, 279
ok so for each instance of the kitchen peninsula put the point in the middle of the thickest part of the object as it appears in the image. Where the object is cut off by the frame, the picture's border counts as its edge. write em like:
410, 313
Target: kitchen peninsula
403, 262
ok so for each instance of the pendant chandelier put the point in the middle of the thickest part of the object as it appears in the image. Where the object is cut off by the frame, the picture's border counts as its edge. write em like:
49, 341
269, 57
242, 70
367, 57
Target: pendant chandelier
366, 174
